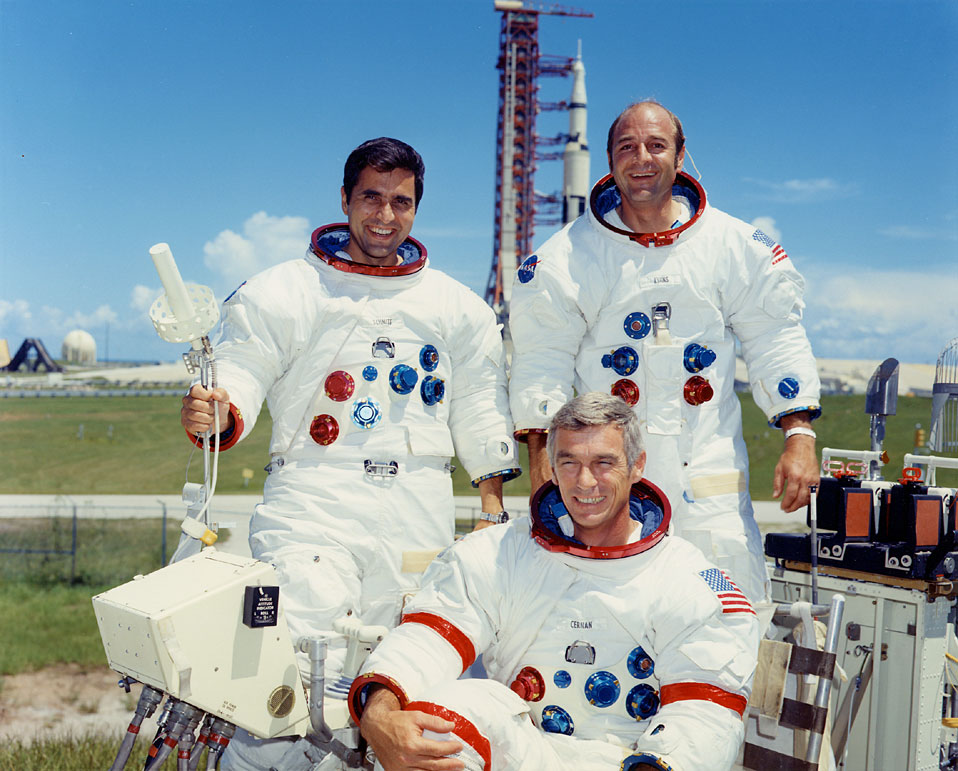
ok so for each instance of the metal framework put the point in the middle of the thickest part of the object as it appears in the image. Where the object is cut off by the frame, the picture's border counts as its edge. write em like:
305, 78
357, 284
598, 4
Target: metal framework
520, 66
943, 436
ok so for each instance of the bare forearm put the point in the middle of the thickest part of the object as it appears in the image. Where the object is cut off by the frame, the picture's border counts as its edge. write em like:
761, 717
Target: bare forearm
540, 470
490, 494
797, 468
795, 420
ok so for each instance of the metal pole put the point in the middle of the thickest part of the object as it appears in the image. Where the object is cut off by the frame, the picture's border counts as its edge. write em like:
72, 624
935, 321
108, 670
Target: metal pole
835, 614
163, 536
73, 548
813, 537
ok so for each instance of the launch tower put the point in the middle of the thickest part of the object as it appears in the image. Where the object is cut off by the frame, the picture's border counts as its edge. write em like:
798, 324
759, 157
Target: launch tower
520, 66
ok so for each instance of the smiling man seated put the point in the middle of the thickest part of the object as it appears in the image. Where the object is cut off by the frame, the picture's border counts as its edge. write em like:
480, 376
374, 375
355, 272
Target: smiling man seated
608, 642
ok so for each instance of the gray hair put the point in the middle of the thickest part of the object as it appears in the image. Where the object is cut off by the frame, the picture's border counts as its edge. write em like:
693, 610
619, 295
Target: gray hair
598, 409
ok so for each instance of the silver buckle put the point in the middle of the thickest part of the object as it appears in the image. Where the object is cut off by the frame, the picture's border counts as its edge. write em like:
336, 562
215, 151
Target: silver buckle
384, 348
661, 313
274, 464
387, 469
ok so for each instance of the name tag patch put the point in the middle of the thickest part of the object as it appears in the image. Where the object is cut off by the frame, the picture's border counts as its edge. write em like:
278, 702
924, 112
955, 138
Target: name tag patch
581, 624
659, 280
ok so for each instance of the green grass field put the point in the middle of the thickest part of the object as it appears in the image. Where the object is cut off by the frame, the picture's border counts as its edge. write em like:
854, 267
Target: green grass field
842, 425
147, 454
136, 445
72, 754
129, 445
61, 628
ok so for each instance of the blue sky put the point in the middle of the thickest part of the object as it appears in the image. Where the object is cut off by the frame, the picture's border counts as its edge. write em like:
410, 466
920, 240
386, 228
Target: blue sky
221, 128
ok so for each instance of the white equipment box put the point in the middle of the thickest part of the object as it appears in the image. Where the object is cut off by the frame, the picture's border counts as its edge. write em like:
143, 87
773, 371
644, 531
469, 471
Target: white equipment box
181, 630
896, 638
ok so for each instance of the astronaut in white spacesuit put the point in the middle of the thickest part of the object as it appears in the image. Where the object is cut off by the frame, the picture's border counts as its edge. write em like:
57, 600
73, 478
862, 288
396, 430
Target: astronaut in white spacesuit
608, 642
644, 296
376, 369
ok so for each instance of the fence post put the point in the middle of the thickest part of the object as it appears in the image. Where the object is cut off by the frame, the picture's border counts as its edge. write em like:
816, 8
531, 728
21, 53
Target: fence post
73, 548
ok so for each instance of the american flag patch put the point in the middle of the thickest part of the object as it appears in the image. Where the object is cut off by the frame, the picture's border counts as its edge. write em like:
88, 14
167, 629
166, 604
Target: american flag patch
731, 597
778, 253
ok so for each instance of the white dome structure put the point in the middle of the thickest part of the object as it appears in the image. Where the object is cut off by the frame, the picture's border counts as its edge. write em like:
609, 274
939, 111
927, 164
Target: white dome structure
79, 347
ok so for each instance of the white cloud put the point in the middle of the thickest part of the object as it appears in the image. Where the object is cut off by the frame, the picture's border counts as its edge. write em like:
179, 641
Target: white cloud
142, 297
913, 232
265, 241
767, 226
130, 334
803, 190
102, 315
13, 314
872, 314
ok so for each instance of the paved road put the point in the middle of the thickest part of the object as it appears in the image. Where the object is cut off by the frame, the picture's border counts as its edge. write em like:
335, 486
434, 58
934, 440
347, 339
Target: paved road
233, 512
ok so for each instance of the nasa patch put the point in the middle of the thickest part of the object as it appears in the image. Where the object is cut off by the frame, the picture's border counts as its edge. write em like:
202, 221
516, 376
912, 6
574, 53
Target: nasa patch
527, 270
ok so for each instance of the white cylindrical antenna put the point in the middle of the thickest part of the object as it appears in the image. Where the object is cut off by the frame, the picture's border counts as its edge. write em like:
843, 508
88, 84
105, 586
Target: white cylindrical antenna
186, 313
172, 281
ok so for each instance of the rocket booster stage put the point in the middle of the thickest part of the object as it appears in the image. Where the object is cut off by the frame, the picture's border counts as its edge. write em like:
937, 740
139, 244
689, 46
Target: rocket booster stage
575, 159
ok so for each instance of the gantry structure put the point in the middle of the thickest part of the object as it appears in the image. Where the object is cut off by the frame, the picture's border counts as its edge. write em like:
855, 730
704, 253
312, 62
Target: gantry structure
520, 66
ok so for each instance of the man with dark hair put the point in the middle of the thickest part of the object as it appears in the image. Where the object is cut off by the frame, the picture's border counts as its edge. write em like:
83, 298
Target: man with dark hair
383, 155
646, 296
609, 644
377, 369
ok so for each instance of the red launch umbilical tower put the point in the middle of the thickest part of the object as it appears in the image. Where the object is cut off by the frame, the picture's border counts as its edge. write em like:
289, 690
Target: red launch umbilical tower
520, 66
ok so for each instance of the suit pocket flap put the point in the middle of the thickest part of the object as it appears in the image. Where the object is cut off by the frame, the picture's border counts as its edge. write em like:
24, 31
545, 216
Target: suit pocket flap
430, 440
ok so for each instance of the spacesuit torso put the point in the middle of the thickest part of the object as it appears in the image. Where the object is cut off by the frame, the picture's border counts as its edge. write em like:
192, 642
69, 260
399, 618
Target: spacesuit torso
352, 358
600, 644
374, 378
654, 319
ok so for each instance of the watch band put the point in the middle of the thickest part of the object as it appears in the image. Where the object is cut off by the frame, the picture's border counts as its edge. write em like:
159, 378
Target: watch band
800, 430
502, 516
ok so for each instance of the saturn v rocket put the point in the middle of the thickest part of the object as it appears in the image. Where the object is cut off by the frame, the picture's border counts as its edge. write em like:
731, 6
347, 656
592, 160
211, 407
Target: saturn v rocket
575, 159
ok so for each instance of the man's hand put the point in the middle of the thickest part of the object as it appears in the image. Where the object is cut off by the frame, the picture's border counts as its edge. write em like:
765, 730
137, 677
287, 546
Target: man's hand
396, 736
540, 470
797, 468
196, 415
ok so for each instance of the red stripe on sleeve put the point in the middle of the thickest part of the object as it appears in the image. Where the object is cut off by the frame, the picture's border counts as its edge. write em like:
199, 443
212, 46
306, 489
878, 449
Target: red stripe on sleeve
464, 729
522, 435
230, 440
703, 692
356, 700
451, 634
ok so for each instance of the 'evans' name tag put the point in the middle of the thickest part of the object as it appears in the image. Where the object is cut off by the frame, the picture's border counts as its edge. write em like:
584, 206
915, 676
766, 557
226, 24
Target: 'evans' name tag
650, 282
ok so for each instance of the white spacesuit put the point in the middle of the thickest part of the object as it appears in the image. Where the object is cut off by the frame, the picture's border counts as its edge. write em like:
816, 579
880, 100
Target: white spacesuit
644, 651
654, 319
374, 377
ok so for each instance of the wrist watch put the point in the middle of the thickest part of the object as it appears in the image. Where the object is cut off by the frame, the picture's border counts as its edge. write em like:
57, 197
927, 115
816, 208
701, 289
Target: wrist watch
502, 516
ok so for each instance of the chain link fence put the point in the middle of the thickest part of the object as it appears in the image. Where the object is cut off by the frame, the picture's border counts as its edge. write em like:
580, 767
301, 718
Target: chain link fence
83, 544
100, 544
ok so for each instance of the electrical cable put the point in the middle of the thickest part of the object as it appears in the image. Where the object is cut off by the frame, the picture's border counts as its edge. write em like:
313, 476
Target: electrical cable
698, 174
208, 381
851, 709
950, 722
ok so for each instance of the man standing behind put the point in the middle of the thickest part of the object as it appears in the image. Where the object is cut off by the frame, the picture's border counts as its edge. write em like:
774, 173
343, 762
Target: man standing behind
376, 368
625, 646
644, 297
